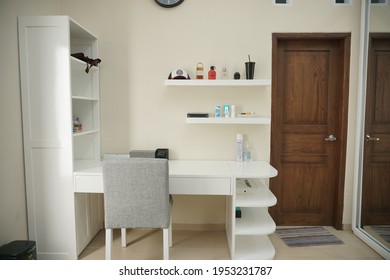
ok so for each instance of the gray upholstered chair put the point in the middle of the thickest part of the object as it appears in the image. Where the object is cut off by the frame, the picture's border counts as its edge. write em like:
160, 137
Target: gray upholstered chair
136, 195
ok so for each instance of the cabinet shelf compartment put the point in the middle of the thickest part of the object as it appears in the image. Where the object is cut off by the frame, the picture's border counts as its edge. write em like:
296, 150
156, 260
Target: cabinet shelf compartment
227, 83
84, 85
255, 221
88, 112
238, 120
250, 247
86, 145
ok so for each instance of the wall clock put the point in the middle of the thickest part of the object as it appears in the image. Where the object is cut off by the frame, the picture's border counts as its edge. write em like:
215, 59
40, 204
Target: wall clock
169, 3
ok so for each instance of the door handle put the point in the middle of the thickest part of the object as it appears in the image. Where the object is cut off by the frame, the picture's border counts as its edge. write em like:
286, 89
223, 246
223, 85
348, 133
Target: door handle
330, 138
369, 138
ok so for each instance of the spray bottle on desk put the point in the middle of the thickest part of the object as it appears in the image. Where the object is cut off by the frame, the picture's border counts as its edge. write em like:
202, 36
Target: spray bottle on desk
247, 153
239, 146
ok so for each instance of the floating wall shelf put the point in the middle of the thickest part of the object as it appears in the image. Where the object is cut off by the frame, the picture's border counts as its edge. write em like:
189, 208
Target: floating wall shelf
262, 82
212, 120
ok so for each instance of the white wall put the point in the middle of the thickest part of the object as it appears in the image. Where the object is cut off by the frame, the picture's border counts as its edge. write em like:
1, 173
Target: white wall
140, 43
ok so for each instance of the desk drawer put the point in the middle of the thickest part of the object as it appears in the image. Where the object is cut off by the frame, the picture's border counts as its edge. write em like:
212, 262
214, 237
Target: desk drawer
88, 183
200, 186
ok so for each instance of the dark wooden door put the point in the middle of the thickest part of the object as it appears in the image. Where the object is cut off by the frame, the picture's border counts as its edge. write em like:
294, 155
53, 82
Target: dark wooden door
309, 127
376, 162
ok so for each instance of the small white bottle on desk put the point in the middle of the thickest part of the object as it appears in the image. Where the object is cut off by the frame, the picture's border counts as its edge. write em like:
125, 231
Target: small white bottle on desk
247, 152
239, 146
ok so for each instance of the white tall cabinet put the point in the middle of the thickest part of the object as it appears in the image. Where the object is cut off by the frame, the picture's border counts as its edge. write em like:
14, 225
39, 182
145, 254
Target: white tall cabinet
55, 89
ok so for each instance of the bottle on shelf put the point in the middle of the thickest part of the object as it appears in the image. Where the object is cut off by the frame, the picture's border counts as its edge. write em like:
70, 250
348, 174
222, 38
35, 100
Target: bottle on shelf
77, 126
199, 71
239, 146
224, 74
232, 111
212, 75
217, 111
226, 110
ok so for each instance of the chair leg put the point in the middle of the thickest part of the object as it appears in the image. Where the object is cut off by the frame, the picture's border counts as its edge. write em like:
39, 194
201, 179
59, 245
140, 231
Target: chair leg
109, 239
170, 232
123, 237
166, 243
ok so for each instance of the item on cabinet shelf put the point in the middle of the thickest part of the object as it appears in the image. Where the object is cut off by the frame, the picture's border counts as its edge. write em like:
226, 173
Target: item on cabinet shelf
226, 110
237, 76
197, 115
239, 146
77, 126
199, 71
90, 62
224, 74
249, 69
212, 75
238, 212
179, 74
232, 111
217, 111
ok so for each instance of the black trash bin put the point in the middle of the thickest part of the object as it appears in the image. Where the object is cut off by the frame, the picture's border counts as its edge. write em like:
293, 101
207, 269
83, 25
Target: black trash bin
19, 250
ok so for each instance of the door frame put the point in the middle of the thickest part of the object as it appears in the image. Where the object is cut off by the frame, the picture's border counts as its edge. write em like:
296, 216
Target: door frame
345, 41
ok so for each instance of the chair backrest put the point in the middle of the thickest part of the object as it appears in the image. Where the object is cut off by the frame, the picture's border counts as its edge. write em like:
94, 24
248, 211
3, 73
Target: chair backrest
136, 193
142, 154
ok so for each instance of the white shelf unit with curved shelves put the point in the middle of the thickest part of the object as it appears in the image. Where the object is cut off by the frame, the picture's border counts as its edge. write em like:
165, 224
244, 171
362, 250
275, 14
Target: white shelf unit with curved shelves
249, 233
251, 230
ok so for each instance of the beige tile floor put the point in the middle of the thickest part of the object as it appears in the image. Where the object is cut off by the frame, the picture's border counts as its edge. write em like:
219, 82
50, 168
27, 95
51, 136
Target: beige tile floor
212, 245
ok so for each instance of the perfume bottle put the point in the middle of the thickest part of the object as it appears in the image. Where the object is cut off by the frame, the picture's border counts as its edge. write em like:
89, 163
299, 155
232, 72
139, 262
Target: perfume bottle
199, 71
212, 74
224, 74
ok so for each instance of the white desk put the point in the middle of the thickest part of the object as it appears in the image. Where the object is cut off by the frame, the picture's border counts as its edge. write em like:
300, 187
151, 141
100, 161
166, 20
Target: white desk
247, 236
190, 177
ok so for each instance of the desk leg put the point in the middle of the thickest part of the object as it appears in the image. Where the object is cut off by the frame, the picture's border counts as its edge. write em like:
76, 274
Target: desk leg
170, 232
230, 220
